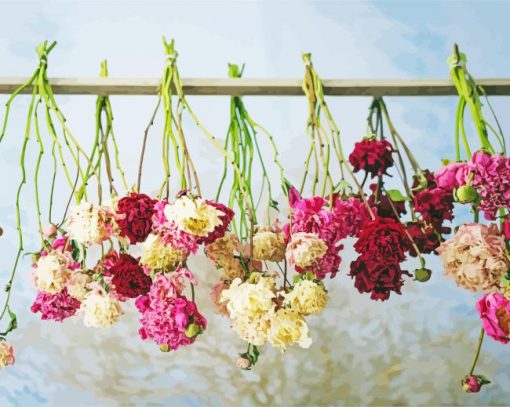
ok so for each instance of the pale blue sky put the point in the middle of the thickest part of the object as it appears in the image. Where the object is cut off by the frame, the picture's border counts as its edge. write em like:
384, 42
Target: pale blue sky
362, 39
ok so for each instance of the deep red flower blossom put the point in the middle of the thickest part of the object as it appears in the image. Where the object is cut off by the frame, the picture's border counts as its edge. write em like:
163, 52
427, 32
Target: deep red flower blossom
382, 240
135, 216
129, 277
373, 156
426, 237
434, 204
426, 176
385, 206
378, 279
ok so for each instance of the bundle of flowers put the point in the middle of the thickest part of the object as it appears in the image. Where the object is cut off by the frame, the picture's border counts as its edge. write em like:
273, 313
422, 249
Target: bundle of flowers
168, 233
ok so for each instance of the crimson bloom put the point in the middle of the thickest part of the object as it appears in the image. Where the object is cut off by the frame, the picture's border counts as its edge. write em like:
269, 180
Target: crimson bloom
129, 277
135, 216
434, 204
376, 278
382, 240
373, 156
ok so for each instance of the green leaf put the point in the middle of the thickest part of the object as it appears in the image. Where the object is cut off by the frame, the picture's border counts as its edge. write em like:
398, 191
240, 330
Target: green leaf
13, 323
274, 204
395, 195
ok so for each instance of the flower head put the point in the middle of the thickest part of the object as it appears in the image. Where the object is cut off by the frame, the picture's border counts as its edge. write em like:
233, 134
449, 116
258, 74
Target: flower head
305, 250
160, 256
193, 215
494, 310
100, 310
288, 327
269, 245
307, 297
382, 240
88, 224
378, 279
475, 257
373, 156
453, 175
51, 272
129, 277
250, 299
56, 307
134, 216
6, 354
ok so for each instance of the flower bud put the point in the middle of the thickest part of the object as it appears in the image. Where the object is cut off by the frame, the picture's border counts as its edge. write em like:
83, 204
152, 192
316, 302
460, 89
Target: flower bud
164, 348
473, 383
422, 274
50, 230
506, 228
192, 330
243, 363
466, 194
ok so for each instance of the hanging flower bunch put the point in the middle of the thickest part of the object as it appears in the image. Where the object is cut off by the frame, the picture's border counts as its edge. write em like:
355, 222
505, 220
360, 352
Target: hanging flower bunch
477, 256
407, 221
254, 290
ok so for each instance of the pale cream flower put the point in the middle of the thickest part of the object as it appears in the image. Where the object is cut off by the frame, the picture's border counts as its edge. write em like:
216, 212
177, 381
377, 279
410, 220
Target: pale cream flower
100, 310
306, 297
6, 354
159, 256
305, 249
87, 224
245, 299
252, 329
50, 273
193, 216
77, 285
269, 245
288, 327
475, 257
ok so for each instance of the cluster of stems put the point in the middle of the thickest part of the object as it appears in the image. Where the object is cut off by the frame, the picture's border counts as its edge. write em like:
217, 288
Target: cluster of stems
63, 145
470, 95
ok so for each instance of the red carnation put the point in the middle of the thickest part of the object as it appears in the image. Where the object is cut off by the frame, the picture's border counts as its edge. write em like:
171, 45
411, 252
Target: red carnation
219, 231
382, 240
434, 204
426, 237
129, 278
373, 156
385, 206
375, 278
135, 216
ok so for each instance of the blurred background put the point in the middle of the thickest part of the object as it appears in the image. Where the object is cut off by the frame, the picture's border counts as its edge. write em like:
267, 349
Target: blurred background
413, 349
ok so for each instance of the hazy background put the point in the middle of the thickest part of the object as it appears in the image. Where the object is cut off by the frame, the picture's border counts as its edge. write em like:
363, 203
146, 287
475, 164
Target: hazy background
413, 349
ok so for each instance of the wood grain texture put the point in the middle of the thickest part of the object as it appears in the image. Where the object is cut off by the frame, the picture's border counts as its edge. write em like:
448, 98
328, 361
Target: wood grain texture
253, 86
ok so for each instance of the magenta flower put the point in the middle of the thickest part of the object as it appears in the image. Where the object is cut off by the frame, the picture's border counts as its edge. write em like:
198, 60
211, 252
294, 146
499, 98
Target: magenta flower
494, 310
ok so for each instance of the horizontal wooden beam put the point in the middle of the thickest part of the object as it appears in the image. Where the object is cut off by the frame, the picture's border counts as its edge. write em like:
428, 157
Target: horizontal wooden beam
251, 86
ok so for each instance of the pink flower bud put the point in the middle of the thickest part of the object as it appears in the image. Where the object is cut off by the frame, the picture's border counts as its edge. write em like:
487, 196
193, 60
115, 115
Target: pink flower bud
473, 383
243, 363
50, 230
506, 228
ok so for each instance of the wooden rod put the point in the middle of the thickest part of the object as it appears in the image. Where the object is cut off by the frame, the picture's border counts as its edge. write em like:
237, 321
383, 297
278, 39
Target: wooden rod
252, 86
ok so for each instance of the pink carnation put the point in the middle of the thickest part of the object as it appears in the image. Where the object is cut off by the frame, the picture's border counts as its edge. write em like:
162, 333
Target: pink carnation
170, 233
506, 228
349, 216
452, 175
55, 306
494, 310
492, 178
309, 215
167, 316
